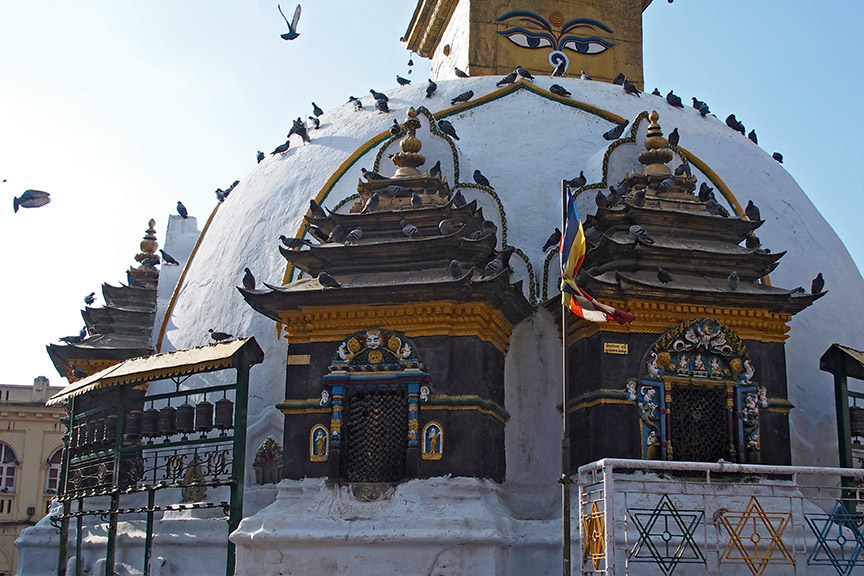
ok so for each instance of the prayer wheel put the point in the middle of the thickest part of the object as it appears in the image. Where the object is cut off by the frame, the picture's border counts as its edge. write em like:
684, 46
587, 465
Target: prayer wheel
99, 433
150, 423
224, 414
133, 425
204, 416
856, 421
110, 430
168, 421
89, 435
185, 418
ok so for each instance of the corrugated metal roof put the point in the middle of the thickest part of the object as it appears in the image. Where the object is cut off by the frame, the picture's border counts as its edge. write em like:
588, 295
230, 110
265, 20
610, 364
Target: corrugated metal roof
166, 365
853, 359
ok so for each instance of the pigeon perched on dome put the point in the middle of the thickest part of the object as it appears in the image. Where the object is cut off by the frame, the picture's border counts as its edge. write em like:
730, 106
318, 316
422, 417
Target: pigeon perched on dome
168, 259
316, 210
181, 210
447, 128
480, 179
578, 181
260, 156
463, 97
459, 73
522, 72
508, 79
378, 95
553, 240
371, 204
752, 212
248, 279
616, 132
402, 81
219, 336
674, 100
559, 90
431, 88
818, 284
316, 110
674, 137
381, 106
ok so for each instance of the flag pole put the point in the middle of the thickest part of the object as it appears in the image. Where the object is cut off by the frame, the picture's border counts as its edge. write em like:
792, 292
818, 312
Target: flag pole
565, 440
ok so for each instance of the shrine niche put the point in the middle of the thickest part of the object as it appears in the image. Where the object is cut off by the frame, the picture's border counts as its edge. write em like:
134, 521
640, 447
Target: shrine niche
268, 462
697, 397
318, 443
374, 383
433, 441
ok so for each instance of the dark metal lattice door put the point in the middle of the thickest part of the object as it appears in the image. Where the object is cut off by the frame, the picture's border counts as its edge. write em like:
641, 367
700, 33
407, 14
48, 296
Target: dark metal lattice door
700, 424
375, 436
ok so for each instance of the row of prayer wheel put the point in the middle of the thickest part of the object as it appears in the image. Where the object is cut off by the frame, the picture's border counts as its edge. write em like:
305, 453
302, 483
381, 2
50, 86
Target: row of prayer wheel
184, 419
94, 434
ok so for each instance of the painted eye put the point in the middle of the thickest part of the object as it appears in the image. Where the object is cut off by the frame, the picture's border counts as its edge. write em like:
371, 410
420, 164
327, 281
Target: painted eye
528, 40
586, 45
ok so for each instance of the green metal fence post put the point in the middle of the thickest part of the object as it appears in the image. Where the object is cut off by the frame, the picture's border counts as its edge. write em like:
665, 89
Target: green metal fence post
238, 465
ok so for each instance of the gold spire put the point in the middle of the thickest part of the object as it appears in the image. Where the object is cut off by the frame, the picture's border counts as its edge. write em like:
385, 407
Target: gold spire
149, 246
657, 153
408, 160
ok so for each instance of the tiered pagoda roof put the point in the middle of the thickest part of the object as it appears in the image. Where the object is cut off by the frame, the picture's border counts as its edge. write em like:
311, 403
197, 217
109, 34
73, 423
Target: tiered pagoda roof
122, 328
690, 238
386, 266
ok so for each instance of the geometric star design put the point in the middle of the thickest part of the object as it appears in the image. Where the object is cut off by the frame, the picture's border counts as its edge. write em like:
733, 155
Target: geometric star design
666, 536
594, 528
755, 537
839, 539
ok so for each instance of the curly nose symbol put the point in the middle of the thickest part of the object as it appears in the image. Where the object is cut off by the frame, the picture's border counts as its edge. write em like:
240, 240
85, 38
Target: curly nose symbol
559, 62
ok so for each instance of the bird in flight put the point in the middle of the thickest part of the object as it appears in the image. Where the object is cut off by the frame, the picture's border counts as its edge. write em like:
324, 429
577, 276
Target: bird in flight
31, 199
292, 26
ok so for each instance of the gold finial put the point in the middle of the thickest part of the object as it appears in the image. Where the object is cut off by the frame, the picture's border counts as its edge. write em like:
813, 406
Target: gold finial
657, 153
149, 244
408, 160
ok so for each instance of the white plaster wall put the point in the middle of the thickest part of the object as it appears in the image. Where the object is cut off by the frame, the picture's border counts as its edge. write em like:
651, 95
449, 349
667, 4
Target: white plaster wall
456, 36
180, 237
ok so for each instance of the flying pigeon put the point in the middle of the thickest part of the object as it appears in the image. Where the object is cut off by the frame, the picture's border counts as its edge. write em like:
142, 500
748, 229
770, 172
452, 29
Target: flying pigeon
168, 259
447, 128
553, 240
294, 243
410, 230
752, 136
630, 88
281, 149
378, 95
337, 234
402, 81
316, 110
752, 242
584, 76
674, 137
674, 100
524, 73
431, 88
459, 73
616, 132
752, 212
559, 69
292, 26
463, 97
358, 105
416, 201
577, 182
508, 79
181, 209
733, 280
559, 90
371, 204
90, 298
219, 336
818, 284
639, 235
316, 123
446, 227
354, 236
458, 199
395, 129
619, 79
370, 176
638, 198
455, 269
317, 211
435, 171
260, 156
664, 276
381, 106
299, 128
778, 157
248, 280
480, 179
733, 123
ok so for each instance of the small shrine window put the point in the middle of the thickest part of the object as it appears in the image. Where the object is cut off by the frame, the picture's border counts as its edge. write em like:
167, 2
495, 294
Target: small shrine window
52, 474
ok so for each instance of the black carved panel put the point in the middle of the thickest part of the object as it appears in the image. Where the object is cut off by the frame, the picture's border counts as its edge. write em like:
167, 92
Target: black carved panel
375, 435
700, 424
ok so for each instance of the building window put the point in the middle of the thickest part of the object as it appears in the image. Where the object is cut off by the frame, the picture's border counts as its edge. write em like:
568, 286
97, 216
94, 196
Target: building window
8, 464
52, 475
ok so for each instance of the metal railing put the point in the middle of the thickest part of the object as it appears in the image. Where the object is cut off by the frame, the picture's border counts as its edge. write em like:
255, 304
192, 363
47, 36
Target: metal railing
661, 517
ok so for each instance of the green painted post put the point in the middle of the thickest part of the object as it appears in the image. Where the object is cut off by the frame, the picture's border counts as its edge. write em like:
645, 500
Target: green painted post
238, 466
115, 485
148, 537
79, 521
841, 395
61, 492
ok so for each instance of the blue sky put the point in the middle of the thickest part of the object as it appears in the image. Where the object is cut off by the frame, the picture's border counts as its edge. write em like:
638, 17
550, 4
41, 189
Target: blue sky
119, 109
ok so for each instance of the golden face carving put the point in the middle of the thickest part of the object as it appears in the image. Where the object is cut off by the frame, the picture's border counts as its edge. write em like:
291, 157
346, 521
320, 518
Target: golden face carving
557, 40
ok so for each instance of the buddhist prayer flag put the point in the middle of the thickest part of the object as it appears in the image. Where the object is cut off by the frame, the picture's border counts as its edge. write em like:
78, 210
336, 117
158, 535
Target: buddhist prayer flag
572, 251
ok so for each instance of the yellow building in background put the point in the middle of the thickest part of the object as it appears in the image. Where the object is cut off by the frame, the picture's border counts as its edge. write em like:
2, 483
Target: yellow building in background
30, 456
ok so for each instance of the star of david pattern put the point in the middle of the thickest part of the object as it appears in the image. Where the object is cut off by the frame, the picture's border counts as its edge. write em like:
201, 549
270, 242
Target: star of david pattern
839, 539
594, 531
666, 536
755, 537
